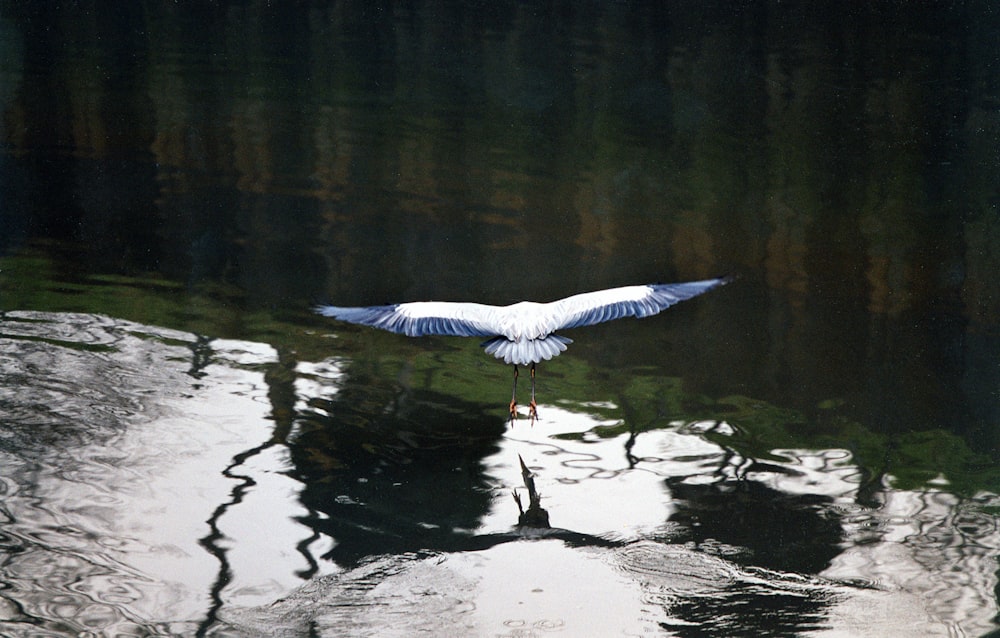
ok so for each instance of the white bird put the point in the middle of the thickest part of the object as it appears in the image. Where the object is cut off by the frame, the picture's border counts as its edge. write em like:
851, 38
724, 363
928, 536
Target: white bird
522, 333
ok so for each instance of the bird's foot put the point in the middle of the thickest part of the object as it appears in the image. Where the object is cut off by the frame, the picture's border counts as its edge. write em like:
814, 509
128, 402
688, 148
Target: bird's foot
513, 410
533, 412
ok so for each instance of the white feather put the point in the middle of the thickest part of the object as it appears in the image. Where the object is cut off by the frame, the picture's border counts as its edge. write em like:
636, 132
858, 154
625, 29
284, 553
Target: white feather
522, 332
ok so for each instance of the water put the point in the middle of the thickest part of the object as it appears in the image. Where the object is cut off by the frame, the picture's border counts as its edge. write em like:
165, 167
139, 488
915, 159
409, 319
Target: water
187, 450
151, 490
111, 473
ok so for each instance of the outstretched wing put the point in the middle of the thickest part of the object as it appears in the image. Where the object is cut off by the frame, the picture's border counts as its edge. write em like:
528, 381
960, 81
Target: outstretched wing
629, 301
529, 321
422, 318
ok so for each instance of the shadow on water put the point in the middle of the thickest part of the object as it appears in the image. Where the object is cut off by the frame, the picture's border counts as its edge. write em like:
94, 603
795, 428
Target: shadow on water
403, 480
483, 583
813, 451
405, 483
165, 483
391, 472
395, 472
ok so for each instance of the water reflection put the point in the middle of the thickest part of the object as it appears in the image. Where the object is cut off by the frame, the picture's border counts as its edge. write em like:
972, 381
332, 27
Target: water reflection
509, 579
364, 156
118, 446
931, 545
732, 532
392, 471
818, 446
157, 482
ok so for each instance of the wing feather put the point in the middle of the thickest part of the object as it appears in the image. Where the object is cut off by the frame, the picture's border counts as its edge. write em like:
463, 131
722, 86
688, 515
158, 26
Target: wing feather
591, 308
524, 326
422, 318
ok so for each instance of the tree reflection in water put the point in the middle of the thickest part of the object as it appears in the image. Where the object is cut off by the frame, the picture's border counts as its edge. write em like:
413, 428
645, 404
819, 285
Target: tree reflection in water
817, 450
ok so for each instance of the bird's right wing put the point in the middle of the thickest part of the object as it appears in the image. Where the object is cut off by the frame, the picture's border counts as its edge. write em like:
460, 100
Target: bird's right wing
421, 318
591, 308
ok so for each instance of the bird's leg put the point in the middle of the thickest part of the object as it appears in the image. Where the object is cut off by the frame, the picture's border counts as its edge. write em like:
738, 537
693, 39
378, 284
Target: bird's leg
513, 397
532, 408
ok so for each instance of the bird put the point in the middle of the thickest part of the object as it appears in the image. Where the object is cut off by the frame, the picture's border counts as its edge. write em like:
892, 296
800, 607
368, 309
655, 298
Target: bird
524, 333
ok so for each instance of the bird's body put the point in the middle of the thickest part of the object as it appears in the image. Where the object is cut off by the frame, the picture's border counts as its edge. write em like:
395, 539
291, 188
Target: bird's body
522, 333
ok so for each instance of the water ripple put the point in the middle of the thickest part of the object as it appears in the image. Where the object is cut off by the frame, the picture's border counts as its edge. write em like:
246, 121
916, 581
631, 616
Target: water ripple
112, 458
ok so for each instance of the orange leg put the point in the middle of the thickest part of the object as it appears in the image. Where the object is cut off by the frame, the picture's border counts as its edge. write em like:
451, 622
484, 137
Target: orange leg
532, 408
513, 397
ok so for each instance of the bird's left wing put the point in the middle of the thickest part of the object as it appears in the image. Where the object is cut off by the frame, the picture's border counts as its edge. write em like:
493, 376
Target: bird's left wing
629, 301
421, 318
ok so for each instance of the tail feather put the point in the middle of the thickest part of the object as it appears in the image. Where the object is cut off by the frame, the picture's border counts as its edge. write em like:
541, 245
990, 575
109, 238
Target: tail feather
525, 351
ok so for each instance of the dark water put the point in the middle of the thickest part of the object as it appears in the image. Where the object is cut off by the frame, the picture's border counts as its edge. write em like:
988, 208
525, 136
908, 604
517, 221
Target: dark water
187, 450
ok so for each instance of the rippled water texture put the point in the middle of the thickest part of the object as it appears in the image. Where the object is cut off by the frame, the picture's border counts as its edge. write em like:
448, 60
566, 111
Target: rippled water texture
641, 572
117, 441
147, 490
187, 449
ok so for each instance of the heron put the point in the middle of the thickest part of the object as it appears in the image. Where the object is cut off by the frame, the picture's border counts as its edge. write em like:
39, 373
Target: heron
524, 333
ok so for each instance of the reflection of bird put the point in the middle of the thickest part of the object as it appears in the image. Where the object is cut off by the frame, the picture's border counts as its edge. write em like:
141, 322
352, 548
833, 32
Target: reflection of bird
535, 516
522, 333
